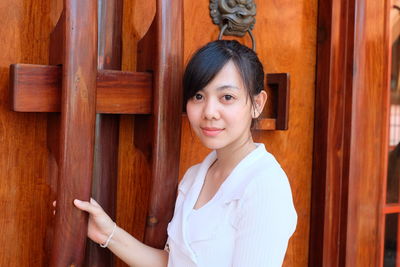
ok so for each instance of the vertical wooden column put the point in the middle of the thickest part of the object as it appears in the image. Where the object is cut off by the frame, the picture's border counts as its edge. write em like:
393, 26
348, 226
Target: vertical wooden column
107, 126
75, 166
350, 138
165, 124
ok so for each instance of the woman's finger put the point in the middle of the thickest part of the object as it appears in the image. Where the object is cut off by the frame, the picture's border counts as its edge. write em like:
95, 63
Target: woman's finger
86, 206
94, 202
54, 203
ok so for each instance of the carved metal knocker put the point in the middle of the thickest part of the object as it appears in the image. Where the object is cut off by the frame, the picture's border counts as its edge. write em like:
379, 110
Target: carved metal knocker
234, 17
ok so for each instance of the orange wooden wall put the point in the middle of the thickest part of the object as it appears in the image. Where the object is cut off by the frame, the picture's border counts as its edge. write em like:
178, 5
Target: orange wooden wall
25, 205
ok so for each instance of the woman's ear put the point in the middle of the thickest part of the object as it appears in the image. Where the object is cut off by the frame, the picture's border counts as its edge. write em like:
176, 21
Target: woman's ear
259, 103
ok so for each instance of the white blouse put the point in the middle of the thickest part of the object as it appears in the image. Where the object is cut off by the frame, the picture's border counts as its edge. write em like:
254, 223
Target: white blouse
247, 223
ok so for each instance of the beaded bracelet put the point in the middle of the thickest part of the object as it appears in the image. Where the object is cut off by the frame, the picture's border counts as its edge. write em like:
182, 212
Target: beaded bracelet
109, 238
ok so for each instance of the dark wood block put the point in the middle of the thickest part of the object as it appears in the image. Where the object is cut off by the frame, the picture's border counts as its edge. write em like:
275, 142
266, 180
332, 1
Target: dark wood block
280, 83
37, 88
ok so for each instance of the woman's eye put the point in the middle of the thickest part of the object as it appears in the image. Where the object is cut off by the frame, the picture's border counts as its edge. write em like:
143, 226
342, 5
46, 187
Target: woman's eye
228, 97
198, 97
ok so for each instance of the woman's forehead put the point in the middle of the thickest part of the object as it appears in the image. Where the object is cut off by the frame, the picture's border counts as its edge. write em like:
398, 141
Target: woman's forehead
227, 77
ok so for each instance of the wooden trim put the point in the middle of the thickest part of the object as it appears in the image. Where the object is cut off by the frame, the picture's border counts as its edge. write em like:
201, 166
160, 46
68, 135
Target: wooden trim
37, 88
76, 132
350, 136
391, 208
327, 191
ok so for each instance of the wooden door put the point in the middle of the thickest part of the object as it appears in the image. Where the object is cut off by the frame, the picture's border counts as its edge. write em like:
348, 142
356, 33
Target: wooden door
285, 34
25, 191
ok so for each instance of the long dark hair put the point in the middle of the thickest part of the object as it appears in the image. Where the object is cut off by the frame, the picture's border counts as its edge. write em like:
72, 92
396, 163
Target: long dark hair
212, 57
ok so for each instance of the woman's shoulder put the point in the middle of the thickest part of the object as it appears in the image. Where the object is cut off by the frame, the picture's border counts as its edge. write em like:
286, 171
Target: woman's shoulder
261, 174
269, 178
188, 178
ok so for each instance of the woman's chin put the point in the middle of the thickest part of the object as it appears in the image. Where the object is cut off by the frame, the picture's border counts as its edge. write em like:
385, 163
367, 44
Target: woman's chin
212, 144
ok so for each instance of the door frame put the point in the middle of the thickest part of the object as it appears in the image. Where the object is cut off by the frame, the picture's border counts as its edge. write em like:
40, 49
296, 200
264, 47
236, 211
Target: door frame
350, 133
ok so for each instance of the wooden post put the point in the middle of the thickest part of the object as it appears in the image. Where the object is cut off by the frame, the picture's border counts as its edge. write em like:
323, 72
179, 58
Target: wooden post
350, 136
78, 108
166, 38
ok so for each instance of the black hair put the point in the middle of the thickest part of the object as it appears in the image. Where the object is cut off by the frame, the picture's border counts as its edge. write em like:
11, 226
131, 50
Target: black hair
211, 58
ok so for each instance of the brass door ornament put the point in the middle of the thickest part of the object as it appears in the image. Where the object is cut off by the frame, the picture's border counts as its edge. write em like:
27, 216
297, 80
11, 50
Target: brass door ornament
234, 17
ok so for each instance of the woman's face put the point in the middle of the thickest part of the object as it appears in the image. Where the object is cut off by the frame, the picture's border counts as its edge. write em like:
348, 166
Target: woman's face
220, 113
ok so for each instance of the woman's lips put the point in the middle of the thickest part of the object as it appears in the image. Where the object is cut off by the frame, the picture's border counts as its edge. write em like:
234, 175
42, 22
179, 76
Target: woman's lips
208, 131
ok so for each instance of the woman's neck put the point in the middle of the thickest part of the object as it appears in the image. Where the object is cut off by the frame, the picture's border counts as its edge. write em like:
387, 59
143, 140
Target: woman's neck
229, 157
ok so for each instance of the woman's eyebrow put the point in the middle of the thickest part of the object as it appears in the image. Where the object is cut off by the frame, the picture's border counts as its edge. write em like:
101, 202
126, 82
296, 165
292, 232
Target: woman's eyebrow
228, 86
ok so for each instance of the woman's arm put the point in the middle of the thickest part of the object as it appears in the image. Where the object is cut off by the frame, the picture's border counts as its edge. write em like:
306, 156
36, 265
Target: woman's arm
122, 244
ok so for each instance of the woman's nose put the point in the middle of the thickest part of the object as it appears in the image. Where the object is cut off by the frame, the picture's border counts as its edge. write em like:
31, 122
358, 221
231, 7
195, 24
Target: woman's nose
211, 111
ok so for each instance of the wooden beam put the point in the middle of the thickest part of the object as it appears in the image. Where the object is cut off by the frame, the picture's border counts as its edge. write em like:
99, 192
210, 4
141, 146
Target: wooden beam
37, 88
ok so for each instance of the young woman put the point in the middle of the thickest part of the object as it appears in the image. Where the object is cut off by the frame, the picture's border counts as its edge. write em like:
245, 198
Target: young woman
233, 209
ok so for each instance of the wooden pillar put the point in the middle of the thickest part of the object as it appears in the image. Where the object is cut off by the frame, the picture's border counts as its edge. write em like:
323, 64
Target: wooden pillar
162, 51
78, 108
350, 137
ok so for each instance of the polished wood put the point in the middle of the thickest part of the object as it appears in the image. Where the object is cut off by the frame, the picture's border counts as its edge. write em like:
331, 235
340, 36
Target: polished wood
24, 191
124, 92
134, 170
371, 81
350, 138
327, 167
104, 188
285, 34
167, 105
77, 128
37, 88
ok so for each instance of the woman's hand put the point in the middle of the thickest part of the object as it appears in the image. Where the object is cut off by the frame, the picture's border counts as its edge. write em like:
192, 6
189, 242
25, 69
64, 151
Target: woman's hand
100, 224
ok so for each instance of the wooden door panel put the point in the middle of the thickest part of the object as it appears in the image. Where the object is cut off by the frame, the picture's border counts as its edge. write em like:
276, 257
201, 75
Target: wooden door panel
24, 186
25, 190
285, 32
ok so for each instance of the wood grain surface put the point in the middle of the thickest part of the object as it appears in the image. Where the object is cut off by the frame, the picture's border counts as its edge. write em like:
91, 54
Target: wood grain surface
105, 167
286, 52
285, 32
368, 152
37, 88
134, 170
77, 131
166, 119
351, 134
24, 189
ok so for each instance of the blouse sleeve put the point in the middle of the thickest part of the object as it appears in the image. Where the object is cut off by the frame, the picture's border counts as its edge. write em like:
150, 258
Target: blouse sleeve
266, 221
